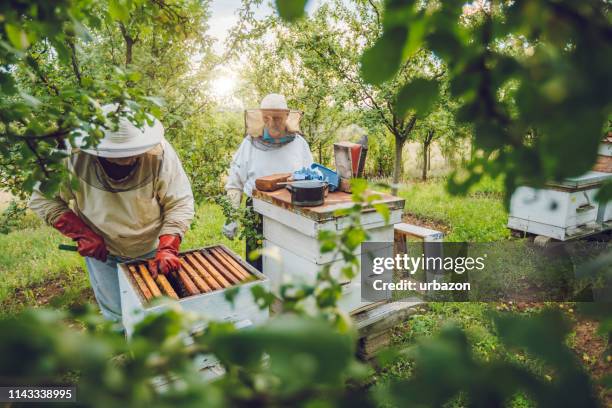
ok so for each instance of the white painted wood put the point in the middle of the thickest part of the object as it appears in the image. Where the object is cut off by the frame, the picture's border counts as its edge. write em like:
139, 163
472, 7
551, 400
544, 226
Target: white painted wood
371, 219
308, 247
605, 149
538, 228
283, 265
426, 234
306, 225
291, 249
557, 208
607, 211
562, 234
211, 305
309, 227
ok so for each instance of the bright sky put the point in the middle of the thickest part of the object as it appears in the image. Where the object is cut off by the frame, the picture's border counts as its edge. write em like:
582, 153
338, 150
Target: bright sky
223, 18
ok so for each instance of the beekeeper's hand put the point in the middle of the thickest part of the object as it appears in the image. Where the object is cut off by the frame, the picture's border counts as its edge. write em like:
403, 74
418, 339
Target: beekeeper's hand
88, 242
229, 230
166, 259
234, 196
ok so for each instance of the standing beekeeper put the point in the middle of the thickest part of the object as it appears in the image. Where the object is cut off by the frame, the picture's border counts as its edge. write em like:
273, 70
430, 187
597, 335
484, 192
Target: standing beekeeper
272, 145
133, 201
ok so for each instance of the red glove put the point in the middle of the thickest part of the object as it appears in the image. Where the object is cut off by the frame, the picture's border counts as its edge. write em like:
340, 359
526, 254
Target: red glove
166, 259
88, 242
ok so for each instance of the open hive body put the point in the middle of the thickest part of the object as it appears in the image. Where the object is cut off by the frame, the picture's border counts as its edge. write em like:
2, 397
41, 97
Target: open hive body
291, 248
199, 286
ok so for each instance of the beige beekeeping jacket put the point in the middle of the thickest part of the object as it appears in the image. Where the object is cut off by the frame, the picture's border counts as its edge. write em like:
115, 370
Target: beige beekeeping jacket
155, 199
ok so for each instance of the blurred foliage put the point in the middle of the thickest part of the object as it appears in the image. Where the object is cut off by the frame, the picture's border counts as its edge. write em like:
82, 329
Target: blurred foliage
12, 216
532, 79
60, 61
248, 221
288, 361
445, 368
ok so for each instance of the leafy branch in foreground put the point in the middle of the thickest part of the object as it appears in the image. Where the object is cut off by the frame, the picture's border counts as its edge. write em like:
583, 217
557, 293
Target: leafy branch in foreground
52, 87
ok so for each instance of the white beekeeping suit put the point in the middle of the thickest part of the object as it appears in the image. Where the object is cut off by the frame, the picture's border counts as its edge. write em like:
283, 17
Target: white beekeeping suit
272, 145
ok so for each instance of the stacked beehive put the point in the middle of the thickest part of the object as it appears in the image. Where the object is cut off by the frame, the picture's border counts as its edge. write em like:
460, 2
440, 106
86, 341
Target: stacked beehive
202, 271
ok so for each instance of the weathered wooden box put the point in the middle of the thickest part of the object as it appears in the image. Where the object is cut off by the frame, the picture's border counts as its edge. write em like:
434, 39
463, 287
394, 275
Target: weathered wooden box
209, 303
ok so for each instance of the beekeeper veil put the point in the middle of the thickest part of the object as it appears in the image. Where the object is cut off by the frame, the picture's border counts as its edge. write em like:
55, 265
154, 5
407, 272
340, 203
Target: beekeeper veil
272, 125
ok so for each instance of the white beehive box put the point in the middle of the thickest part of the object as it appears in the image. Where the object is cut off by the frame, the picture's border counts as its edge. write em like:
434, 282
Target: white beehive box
291, 249
212, 305
562, 210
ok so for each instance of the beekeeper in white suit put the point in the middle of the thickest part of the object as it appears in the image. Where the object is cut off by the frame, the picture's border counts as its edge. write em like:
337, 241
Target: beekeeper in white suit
133, 201
273, 144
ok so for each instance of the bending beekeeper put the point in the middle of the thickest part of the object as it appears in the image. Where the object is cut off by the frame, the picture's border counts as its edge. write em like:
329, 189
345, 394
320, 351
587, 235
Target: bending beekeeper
133, 201
273, 144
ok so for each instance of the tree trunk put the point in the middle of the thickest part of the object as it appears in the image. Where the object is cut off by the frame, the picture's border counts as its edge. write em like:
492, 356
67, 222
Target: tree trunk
425, 161
129, 44
397, 165
427, 154
320, 151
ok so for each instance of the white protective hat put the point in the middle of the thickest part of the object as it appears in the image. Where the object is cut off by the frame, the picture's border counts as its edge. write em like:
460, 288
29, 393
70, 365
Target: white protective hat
274, 101
128, 140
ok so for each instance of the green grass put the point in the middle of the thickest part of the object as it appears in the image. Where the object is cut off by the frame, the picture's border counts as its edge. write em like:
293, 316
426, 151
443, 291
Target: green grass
478, 217
30, 256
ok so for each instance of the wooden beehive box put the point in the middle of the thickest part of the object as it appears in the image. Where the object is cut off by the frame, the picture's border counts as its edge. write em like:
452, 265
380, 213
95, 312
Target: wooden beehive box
199, 286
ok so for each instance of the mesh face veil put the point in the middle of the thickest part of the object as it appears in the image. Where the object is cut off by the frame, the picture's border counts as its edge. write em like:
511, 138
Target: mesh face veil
281, 125
275, 121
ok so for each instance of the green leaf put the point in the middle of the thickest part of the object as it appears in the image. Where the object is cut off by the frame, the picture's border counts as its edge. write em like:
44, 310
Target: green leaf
155, 100
382, 60
7, 84
263, 297
383, 210
134, 76
354, 237
605, 193
118, 10
156, 327
358, 185
291, 10
419, 95
327, 246
16, 36
230, 294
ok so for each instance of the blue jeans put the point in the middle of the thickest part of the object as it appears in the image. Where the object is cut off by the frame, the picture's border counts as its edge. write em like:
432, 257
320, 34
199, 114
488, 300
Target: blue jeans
105, 283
